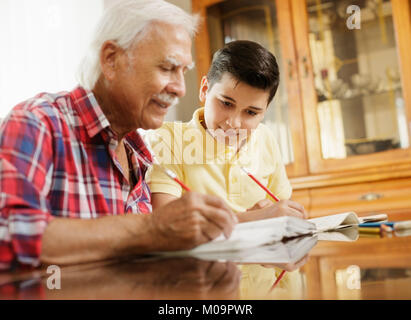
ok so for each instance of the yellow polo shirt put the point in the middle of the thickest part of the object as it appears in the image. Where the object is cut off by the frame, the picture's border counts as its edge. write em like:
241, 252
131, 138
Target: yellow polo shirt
209, 167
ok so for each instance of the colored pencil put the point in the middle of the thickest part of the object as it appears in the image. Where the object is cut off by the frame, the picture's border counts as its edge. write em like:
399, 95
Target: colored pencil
168, 172
173, 176
375, 224
397, 225
369, 230
260, 184
276, 199
278, 280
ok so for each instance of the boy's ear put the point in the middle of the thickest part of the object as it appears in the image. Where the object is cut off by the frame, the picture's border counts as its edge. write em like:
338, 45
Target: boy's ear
203, 89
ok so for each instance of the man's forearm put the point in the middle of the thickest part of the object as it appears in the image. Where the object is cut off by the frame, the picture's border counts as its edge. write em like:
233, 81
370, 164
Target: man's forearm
69, 241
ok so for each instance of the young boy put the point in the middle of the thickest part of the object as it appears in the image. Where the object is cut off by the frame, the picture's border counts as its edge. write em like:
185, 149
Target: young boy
208, 152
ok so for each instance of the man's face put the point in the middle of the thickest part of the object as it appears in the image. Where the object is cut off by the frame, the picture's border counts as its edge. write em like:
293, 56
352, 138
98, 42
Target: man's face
149, 77
230, 106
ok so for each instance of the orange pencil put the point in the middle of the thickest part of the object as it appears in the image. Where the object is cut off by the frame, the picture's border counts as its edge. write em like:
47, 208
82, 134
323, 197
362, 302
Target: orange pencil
168, 172
173, 176
276, 199
260, 184
278, 280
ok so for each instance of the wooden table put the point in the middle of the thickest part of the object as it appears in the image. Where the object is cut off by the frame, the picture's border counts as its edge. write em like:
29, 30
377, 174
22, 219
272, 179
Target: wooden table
369, 268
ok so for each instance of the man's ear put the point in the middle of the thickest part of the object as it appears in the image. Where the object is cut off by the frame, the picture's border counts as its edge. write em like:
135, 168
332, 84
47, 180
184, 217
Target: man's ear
109, 55
203, 89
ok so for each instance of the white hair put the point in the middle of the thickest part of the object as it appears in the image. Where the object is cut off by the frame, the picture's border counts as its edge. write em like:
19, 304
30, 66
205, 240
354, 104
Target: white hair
125, 22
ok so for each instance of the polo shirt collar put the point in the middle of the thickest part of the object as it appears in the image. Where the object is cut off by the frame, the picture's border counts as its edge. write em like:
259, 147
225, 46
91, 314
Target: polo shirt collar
221, 151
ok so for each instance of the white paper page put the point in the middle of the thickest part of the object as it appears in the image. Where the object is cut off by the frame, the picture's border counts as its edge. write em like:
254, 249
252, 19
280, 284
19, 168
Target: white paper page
277, 252
348, 234
372, 218
335, 221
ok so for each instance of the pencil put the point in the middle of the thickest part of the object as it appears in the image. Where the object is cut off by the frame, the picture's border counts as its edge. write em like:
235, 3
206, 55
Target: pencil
278, 280
369, 230
168, 172
260, 184
276, 199
173, 176
375, 224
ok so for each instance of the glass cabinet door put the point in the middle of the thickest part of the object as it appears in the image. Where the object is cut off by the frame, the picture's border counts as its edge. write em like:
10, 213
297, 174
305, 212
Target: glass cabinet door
357, 105
357, 78
258, 21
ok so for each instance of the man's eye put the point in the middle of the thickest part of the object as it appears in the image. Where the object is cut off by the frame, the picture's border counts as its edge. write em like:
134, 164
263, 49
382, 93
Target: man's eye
165, 68
251, 113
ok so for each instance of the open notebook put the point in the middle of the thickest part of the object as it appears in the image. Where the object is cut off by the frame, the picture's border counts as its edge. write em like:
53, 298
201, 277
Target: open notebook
262, 232
343, 220
280, 252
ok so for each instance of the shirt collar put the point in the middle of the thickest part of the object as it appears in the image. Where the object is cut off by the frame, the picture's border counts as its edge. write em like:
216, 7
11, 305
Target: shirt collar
219, 151
138, 145
89, 111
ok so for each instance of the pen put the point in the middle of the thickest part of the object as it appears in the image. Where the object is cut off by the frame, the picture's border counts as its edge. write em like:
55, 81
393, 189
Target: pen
375, 224
260, 184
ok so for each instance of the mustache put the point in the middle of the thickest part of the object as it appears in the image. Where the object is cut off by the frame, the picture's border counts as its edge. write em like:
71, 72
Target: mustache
168, 98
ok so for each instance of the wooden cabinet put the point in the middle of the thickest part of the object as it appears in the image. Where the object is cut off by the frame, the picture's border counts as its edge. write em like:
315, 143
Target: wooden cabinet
342, 114
369, 268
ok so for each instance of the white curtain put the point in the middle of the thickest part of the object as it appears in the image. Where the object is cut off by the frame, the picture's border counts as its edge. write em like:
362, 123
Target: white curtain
42, 43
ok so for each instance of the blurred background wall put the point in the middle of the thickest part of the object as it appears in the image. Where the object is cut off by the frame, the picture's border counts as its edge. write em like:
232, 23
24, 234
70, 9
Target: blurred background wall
43, 42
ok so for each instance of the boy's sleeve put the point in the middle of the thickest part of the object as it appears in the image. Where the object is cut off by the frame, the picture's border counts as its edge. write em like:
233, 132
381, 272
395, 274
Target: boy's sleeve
278, 182
166, 146
25, 169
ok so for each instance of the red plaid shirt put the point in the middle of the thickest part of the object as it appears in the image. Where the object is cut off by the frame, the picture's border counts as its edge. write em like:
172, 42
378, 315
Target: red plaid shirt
57, 160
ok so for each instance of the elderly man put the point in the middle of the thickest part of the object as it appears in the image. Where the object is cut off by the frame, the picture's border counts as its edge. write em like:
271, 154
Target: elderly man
72, 164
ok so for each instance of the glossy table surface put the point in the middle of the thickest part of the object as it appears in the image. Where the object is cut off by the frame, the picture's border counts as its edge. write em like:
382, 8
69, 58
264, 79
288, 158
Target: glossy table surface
375, 266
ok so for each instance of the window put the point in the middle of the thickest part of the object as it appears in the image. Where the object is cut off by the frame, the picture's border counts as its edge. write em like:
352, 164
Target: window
43, 42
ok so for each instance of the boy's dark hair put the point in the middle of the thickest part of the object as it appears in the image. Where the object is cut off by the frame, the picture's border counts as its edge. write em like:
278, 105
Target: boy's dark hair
248, 62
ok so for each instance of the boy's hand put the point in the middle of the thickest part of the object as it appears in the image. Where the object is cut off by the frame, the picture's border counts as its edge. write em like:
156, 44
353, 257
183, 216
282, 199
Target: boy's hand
288, 208
265, 209
261, 204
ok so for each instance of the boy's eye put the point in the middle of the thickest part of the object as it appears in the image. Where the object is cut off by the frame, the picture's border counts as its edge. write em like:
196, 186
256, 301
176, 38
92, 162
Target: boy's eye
251, 113
226, 103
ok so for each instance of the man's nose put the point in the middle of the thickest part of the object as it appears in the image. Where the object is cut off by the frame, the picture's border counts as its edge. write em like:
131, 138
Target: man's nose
177, 86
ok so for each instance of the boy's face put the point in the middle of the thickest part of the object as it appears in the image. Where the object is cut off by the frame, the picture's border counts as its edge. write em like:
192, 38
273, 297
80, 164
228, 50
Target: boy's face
230, 106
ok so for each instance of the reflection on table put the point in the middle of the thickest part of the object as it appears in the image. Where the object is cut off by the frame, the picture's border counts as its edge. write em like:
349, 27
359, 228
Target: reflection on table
354, 267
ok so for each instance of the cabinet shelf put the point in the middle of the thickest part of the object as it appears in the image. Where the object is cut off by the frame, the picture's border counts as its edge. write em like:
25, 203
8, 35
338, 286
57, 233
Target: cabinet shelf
322, 98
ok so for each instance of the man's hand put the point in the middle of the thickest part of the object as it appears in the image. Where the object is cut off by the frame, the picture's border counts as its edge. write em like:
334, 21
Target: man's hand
191, 220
